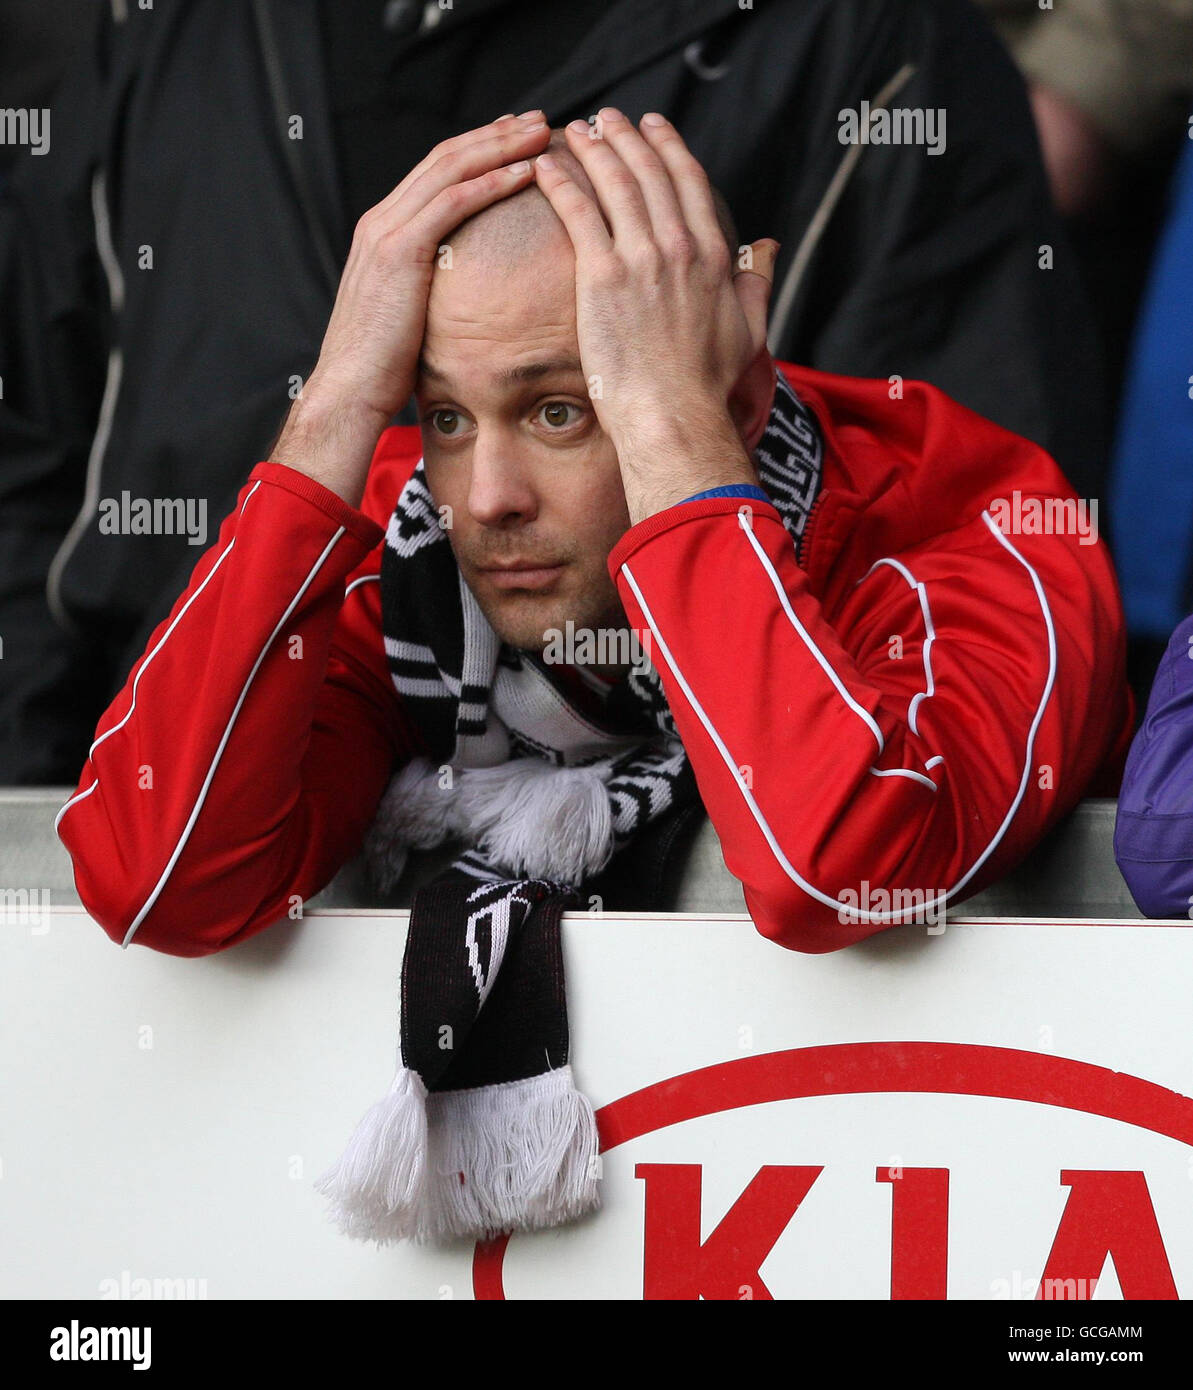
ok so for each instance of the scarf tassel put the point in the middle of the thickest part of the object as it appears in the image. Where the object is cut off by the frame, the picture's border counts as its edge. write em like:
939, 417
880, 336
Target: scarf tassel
521, 1155
538, 820
377, 1186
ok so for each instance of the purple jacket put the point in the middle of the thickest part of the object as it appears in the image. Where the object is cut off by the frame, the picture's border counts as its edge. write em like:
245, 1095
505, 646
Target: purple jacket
1153, 835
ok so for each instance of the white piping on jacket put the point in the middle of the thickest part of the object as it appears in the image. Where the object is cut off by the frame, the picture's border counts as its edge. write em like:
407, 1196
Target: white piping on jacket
219, 752
746, 525
929, 684
904, 772
929, 689
141, 671
748, 796
364, 579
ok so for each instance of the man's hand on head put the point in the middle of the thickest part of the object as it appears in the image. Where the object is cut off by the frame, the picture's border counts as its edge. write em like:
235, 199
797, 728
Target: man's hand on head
666, 327
367, 363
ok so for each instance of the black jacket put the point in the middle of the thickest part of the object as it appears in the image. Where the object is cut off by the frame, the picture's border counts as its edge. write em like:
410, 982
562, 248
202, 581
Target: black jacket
167, 271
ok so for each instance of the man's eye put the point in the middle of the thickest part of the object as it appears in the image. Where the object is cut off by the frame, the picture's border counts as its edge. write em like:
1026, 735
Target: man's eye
555, 413
445, 421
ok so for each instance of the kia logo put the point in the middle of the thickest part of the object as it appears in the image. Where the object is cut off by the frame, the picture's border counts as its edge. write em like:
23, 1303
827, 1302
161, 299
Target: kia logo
1106, 1212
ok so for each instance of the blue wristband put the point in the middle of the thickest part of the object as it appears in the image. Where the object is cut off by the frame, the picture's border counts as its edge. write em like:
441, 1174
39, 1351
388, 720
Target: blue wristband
729, 490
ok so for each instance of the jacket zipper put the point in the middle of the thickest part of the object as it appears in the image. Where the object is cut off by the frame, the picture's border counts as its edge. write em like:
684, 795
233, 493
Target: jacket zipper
801, 550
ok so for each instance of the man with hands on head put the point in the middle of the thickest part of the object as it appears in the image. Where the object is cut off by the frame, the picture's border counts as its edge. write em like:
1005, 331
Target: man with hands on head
894, 261
877, 688
367, 364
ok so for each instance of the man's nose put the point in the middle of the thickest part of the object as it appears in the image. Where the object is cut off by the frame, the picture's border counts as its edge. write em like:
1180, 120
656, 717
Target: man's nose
500, 486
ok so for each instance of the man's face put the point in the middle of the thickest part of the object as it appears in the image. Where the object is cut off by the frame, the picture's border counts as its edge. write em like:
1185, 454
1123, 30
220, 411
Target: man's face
511, 443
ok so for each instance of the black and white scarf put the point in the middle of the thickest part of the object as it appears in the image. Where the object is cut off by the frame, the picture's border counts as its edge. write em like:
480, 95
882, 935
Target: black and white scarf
483, 1129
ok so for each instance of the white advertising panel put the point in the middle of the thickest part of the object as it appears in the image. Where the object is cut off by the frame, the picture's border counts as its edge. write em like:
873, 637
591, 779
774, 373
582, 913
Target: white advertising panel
996, 1110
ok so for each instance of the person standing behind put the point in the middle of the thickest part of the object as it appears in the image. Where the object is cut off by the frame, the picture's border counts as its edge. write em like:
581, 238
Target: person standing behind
166, 270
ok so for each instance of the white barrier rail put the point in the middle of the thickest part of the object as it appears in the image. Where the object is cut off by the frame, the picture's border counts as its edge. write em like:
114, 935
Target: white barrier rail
961, 1113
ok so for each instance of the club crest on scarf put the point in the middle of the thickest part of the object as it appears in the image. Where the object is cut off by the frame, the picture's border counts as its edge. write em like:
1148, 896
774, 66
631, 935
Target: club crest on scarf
489, 1133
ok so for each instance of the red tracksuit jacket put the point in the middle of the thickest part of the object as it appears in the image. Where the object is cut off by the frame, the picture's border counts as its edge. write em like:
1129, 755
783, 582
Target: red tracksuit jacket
909, 700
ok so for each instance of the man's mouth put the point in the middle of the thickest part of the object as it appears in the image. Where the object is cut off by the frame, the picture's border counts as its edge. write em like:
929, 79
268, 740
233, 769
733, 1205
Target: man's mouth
522, 574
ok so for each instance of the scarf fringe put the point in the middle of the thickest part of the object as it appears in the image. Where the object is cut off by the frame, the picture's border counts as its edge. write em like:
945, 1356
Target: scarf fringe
536, 819
519, 1156
377, 1187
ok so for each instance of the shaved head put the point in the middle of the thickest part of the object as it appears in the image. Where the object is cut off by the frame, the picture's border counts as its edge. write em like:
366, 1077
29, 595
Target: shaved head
524, 223
519, 225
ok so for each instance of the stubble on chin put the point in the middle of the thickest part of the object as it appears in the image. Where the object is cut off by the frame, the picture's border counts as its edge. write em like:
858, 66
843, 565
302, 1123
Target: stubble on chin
525, 623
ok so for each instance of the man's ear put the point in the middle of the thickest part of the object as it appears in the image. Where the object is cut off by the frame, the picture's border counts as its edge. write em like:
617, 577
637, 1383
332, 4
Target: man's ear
751, 399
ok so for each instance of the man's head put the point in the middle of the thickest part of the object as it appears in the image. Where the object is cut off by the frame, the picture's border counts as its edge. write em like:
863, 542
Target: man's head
510, 438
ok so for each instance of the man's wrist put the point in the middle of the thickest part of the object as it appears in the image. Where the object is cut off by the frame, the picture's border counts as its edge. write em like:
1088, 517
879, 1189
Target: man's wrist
332, 438
676, 452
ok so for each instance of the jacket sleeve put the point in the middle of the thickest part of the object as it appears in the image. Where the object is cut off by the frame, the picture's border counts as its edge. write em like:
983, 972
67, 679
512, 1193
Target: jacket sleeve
911, 735
240, 765
54, 338
1153, 832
